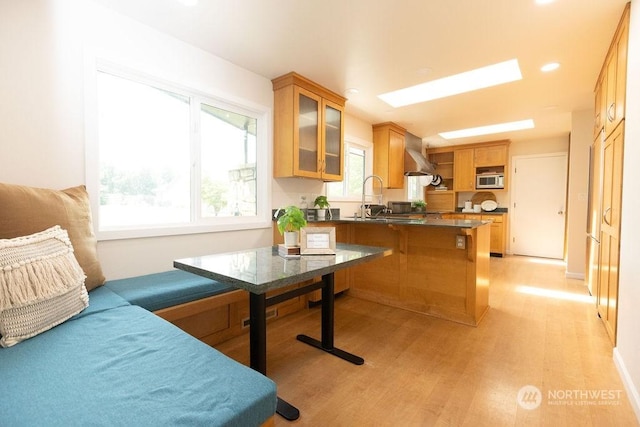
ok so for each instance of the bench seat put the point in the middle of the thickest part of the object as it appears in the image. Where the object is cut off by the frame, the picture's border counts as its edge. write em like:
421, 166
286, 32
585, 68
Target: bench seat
167, 289
118, 364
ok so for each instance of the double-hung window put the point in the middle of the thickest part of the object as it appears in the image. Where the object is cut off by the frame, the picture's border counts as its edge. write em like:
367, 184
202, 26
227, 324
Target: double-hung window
358, 163
171, 160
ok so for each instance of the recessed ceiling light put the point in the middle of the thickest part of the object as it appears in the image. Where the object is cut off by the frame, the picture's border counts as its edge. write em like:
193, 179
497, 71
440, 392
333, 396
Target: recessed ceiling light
491, 75
188, 2
489, 129
351, 91
544, 1
550, 67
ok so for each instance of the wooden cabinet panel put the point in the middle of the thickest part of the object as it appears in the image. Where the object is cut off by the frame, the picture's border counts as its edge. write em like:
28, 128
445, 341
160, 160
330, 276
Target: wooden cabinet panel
600, 105
306, 139
308, 130
388, 154
491, 156
616, 76
332, 137
382, 277
440, 201
426, 272
607, 295
498, 241
464, 174
606, 181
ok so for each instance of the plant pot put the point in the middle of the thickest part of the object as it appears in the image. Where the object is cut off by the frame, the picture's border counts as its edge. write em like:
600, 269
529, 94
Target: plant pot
321, 213
291, 238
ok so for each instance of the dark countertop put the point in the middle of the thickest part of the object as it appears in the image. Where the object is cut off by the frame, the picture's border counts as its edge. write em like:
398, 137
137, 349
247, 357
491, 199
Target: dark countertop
497, 211
261, 269
423, 222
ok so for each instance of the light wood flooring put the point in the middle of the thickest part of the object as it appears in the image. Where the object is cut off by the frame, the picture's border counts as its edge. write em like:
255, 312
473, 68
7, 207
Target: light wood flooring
541, 330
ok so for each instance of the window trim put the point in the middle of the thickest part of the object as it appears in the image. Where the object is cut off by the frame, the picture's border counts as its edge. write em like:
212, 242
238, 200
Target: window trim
204, 225
367, 146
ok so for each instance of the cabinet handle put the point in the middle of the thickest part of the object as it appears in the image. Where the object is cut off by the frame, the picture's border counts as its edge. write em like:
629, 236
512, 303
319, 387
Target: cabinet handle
604, 215
610, 116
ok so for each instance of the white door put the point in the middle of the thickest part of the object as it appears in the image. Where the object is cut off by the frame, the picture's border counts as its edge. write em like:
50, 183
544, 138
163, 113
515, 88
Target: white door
538, 198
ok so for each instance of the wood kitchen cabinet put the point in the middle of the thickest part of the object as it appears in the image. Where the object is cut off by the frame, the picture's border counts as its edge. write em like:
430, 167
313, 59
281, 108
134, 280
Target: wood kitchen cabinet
498, 240
426, 273
388, 154
600, 106
464, 173
308, 129
607, 295
606, 203
470, 161
495, 155
441, 200
615, 70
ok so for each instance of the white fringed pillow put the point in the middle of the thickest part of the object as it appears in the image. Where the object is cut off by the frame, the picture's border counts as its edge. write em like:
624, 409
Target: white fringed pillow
41, 284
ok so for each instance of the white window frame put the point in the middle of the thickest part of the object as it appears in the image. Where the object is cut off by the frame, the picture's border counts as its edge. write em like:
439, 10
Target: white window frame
409, 196
367, 146
197, 224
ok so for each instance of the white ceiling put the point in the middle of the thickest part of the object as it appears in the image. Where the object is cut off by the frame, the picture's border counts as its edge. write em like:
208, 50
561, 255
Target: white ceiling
381, 45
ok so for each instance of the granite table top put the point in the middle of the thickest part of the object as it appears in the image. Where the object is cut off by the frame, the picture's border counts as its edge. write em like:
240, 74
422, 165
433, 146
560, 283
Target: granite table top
260, 270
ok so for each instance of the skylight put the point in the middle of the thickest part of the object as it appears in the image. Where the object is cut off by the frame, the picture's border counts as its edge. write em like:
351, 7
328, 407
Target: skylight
480, 78
489, 129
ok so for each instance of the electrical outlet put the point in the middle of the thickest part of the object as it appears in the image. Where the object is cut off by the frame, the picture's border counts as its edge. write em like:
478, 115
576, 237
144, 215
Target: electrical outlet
461, 242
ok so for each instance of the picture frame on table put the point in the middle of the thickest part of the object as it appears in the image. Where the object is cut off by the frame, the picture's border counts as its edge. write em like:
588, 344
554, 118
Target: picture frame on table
318, 241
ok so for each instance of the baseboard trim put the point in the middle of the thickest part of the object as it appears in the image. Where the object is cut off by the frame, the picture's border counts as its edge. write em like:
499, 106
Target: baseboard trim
577, 276
632, 391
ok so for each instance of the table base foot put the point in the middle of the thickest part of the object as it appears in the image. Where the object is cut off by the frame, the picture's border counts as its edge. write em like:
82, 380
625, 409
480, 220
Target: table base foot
356, 360
286, 410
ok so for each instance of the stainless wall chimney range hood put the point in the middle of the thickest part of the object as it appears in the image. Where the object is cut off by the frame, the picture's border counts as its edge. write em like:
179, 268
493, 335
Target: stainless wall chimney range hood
415, 164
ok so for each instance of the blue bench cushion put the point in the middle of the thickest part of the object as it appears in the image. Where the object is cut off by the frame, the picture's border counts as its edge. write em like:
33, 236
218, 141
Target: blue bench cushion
161, 290
125, 366
101, 299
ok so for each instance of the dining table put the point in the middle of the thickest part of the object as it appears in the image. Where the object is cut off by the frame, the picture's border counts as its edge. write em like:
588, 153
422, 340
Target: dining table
264, 269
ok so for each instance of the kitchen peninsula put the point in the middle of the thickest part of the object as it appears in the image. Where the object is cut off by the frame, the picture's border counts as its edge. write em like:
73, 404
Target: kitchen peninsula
439, 267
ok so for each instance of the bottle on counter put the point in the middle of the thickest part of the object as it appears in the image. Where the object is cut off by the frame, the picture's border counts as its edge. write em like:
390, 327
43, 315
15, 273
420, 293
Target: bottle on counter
304, 206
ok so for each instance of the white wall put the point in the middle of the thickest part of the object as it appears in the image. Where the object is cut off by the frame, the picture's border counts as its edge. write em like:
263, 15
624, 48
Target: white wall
43, 48
627, 352
577, 193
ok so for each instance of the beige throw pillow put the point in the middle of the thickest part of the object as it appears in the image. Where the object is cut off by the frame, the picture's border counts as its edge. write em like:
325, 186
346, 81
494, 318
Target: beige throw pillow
27, 210
41, 284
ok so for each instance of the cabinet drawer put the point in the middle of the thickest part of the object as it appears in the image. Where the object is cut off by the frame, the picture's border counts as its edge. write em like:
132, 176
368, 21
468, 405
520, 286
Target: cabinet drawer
492, 218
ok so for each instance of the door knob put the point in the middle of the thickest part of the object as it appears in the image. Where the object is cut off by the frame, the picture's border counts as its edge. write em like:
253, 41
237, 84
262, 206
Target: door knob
560, 212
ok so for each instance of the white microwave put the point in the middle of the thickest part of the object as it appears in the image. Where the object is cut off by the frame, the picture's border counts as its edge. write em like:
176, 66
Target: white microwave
490, 180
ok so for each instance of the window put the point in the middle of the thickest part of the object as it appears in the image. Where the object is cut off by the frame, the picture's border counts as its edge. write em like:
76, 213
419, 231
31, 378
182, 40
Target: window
358, 163
172, 161
415, 190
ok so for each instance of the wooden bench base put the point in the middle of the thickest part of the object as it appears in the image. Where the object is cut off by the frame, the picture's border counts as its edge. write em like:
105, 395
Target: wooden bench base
221, 317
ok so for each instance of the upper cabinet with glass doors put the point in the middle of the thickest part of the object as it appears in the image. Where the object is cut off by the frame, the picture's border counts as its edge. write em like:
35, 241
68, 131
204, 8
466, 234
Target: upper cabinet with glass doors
308, 129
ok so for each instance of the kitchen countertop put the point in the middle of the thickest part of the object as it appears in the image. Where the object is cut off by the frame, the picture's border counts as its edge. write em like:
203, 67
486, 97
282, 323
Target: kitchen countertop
424, 222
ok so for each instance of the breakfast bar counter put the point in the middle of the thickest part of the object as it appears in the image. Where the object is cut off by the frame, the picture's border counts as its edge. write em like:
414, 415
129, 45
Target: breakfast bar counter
439, 267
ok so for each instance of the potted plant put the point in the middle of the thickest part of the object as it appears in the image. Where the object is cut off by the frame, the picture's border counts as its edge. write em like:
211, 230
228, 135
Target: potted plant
290, 223
419, 205
323, 204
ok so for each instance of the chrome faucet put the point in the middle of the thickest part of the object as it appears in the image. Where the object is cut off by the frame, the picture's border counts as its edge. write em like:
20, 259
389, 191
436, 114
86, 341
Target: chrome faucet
363, 211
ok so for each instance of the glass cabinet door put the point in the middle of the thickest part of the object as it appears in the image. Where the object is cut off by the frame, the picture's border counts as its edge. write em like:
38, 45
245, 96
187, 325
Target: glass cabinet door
307, 161
333, 155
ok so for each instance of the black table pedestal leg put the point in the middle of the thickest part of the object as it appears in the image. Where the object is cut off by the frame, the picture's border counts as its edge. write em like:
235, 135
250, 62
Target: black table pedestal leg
328, 325
258, 348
